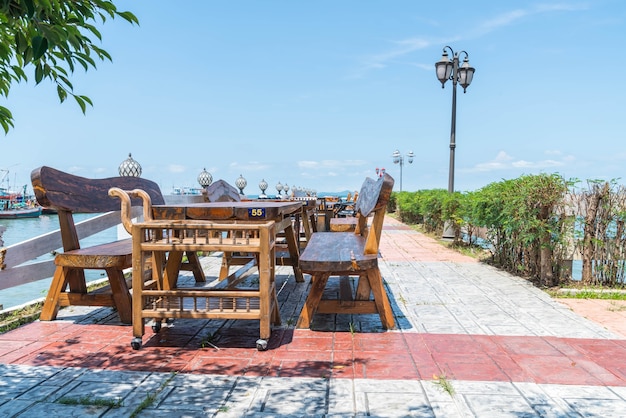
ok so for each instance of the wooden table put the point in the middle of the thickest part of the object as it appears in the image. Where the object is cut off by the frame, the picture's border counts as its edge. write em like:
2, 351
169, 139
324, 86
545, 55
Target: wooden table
281, 212
168, 231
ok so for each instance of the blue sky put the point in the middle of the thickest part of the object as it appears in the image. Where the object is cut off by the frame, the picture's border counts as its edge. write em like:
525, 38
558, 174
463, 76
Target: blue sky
317, 94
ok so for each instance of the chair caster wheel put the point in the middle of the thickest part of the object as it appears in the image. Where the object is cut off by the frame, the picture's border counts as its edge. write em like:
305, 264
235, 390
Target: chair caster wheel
261, 345
136, 343
156, 326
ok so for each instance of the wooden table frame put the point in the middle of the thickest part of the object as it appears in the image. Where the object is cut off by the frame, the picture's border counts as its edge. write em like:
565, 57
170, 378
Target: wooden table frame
281, 212
168, 231
153, 239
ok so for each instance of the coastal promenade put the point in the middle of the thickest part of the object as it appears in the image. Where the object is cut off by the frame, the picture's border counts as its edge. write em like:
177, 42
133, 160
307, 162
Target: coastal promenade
471, 341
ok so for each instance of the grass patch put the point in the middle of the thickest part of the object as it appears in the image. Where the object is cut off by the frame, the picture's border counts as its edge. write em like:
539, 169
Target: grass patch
90, 400
615, 307
15, 318
444, 384
151, 397
588, 293
208, 341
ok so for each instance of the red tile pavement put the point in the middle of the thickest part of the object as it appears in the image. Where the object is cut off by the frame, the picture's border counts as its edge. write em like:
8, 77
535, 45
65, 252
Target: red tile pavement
305, 353
188, 346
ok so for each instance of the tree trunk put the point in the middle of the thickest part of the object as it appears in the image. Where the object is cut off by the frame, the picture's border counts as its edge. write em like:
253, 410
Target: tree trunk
589, 234
545, 264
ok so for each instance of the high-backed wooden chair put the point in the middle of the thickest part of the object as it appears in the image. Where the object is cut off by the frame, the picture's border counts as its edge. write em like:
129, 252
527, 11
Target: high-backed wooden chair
70, 194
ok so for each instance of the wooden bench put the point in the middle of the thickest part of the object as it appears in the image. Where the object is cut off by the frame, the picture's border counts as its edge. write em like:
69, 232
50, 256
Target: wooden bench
69, 194
346, 254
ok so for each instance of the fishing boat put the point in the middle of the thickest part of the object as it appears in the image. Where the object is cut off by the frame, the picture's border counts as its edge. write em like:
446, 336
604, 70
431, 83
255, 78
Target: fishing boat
17, 212
15, 205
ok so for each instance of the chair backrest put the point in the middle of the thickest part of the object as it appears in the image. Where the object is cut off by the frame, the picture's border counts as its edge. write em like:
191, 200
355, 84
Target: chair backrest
222, 191
69, 194
373, 199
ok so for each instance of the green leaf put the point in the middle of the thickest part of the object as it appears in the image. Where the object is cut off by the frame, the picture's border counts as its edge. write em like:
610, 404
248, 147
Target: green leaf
40, 46
66, 81
82, 103
21, 43
62, 93
128, 16
6, 119
30, 7
19, 73
39, 73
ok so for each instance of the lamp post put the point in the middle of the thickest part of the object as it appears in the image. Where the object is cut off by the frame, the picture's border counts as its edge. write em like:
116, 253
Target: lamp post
448, 69
398, 158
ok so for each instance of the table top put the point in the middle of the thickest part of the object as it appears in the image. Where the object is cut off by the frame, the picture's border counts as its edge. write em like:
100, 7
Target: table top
244, 210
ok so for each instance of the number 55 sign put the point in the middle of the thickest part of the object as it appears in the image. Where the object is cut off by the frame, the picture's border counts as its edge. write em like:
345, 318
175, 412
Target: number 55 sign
256, 213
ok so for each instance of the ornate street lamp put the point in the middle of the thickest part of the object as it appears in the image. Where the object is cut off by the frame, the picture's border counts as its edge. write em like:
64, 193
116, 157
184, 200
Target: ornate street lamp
279, 188
263, 186
129, 167
205, 178
398, 158
448, 69
241, 183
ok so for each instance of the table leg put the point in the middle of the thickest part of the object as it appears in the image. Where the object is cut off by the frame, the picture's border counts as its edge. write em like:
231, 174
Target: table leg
294, 252
172, 269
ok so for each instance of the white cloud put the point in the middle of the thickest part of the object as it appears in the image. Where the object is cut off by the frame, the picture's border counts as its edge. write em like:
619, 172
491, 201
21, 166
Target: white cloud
406, 46
250, 166
504, 161
176, 168
330, 164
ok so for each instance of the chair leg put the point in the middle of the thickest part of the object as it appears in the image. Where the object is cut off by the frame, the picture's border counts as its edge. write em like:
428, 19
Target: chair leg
380, 298
318, 284
121, 295
363, 289
51, 305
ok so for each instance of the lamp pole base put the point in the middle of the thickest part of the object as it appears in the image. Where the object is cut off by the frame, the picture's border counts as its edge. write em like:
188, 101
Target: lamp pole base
448, 230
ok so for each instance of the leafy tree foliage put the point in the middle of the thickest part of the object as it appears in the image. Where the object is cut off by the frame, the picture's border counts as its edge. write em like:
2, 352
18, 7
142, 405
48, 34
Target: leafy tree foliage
51, 37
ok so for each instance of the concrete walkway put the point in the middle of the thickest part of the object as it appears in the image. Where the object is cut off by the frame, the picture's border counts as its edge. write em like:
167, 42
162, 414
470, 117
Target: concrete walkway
470, 341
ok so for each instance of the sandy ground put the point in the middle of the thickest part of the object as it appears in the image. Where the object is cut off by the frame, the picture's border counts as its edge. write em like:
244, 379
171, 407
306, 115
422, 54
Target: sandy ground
611, 314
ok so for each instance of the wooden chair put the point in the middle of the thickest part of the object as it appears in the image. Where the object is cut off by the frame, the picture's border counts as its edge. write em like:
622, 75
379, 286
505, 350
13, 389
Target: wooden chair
346, 254
221, 191
69, 194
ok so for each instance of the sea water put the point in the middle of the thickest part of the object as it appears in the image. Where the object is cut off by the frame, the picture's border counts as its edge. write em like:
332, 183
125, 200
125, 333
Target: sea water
19, 230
